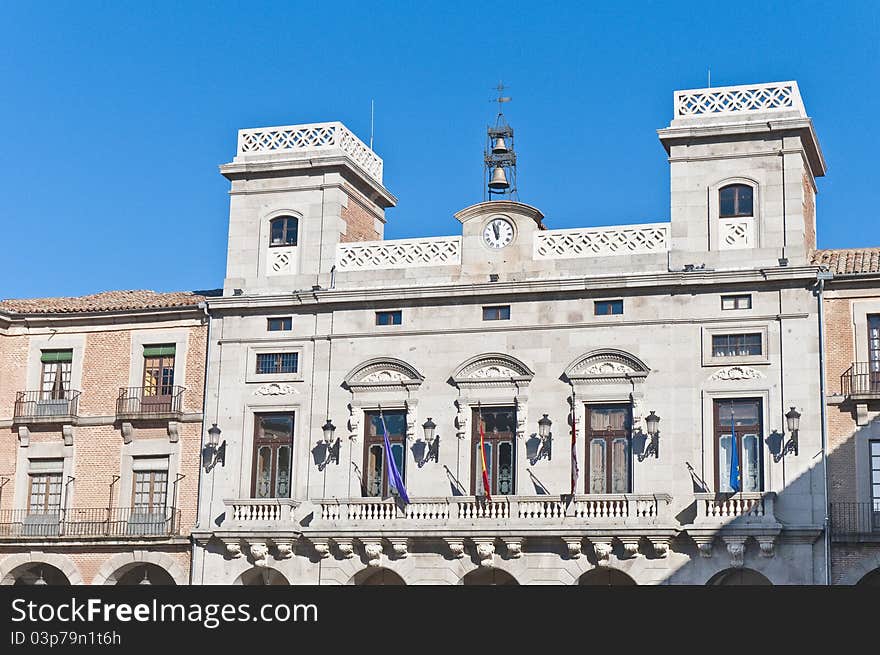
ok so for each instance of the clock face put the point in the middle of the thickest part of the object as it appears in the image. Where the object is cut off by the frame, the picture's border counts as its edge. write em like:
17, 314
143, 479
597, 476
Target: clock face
498, 233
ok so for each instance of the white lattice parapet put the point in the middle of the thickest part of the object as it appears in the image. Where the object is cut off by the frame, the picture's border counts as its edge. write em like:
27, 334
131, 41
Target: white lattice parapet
602, 241
311, 138
724, 100
400, 253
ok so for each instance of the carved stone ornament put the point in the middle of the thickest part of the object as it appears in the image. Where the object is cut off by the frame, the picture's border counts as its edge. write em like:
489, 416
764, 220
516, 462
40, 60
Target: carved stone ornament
259, 552
24, 436
284, 548
322, 547
456, 547
736, 548
486, 553
606, 365
737, 373
608, 368
276, 389
514, 547
705, 547
603, 552
233, 549
173, 431
346, 548
373, 551
574, 546
661, 548
767, 546
630, 548
384, 376
127, 432
400, 548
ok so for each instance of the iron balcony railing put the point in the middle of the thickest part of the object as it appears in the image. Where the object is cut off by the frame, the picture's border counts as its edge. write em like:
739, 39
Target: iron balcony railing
46, 406
120, 522
853, 520
149, 402
861, 379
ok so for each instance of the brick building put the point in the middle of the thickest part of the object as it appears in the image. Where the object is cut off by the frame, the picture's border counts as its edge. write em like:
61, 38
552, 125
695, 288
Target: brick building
101, 411
852, 377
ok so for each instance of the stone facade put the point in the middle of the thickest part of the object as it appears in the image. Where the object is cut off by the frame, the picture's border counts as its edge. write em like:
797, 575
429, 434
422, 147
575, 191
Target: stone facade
662, 520
99, 469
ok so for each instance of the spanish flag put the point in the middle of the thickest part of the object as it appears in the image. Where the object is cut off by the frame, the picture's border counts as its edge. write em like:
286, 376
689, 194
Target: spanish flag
483, 460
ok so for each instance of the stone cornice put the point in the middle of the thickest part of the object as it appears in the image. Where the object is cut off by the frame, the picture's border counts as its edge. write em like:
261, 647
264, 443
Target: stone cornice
679, 279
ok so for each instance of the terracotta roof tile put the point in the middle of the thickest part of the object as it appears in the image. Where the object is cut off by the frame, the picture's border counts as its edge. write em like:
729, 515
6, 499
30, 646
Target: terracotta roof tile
106, 301
848, 261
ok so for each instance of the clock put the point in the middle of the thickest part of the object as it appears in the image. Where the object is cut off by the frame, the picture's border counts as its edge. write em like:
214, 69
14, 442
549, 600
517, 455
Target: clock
498, 233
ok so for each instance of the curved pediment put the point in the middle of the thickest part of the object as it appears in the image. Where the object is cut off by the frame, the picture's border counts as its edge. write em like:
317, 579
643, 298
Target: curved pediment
607, 365
383, 374
492, 369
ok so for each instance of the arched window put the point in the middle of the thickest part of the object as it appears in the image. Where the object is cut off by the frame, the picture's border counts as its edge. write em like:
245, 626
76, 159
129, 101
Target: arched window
735, 200
283, 231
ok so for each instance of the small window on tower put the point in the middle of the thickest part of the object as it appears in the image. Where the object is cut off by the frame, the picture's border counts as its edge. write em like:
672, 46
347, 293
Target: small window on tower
605, 307
389, 318
283, 231
735, 200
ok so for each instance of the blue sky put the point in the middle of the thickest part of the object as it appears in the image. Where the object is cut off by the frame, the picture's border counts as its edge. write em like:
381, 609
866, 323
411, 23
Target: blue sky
116, 115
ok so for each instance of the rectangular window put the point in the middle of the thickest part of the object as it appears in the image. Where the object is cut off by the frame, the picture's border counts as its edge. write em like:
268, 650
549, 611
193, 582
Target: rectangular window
277, 363
743, 301
284, 324
44, 491
159, 373
497, 313
55, 376
499, 439
375, 477
607, 307
736, 345
389, 318
739, 418
273, 448
608, 455
149, 491
874, 352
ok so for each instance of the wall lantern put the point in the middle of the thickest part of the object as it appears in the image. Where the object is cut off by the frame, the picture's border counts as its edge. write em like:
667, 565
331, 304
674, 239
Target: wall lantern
432, 443
331, 448
546, 436
652, 421
214, 451
793, 422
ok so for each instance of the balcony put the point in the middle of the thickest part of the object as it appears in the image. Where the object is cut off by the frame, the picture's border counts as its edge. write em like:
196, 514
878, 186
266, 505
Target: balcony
45, 406
855, 522
90, 522
734, 518
145, 403
861, 381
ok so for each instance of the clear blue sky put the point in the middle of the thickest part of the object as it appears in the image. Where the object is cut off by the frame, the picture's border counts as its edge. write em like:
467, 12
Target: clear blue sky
116, 115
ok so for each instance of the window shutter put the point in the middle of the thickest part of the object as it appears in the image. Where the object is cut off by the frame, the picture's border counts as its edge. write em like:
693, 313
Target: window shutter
160, 351
50, 356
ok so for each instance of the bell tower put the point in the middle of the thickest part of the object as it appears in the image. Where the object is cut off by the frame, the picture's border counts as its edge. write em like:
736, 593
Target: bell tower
499, 158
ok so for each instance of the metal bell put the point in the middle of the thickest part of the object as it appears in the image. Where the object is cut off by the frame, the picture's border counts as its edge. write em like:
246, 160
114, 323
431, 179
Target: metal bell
500, 147
499, 179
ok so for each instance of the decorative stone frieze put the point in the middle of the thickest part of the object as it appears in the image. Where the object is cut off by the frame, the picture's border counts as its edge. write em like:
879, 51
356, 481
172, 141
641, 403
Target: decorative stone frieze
485, 552
373, 551
259, 552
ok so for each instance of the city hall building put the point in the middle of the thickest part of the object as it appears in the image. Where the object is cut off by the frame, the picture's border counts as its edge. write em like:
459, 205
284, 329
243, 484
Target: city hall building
646, 398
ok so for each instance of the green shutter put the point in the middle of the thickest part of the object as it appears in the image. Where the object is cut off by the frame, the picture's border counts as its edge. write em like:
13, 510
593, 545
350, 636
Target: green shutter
49, 356
159, 351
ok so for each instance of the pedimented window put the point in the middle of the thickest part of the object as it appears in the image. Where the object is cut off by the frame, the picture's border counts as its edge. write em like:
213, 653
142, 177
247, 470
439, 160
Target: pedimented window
606, 366
492, 370
383, 374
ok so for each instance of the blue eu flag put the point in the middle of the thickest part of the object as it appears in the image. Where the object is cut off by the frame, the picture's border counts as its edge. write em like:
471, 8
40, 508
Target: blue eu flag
395, 481
735, 470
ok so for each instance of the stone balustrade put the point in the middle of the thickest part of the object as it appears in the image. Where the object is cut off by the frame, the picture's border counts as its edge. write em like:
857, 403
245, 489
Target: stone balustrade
313, 138
464, 511
740, 508
601, 241
398, 253
725, 100
259, 512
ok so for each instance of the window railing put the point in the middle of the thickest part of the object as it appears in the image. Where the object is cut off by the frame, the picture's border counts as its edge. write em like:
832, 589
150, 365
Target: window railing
851, 520
861, 379
149, 402
46, 406
121, 522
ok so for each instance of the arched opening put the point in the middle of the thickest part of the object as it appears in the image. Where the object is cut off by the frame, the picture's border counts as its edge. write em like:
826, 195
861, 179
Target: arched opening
735, 200
262, 576
143, 574
871, 579
381, 576
283, 231
739, 577
485, 577
37, 573
605, 577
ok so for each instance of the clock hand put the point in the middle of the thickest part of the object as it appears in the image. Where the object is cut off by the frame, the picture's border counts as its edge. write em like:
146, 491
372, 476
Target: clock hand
495, 230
